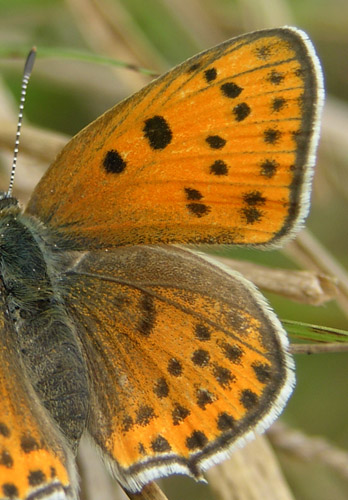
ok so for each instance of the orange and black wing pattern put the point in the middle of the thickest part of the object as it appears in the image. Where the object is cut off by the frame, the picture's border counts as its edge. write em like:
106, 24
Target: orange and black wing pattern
185, 359
218, 150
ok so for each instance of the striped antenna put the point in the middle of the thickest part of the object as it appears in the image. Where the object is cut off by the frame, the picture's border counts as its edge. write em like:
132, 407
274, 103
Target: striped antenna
29, 63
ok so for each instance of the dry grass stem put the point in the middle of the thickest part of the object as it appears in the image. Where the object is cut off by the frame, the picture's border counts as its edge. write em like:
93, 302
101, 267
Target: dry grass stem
303, 286
95, 482
311, 254
318, 348
308, 449
150, 492
252, 473
333, 172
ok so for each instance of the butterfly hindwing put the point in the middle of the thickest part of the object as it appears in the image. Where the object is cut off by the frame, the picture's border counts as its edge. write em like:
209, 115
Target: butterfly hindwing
218, 150
185, 359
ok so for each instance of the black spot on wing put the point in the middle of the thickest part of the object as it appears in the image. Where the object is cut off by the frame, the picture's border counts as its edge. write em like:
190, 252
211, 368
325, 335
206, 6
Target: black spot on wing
223, 376
248, 399
200, 357
193, 67
160, 444
204, 398
198, 209
262, 372
179, 414
263, 52
271, 136
148, 315
269, 168
210, 74
144, 415
4, 430
215, 141
231, 90
158, 132
232, 352
10, 490
174, 367
29, 444
127, 423
225, 422
202, 332
193, 194
196, 440
278, 103
113, 162
241, 111
251, 215
6, 459
161, 388
36, 477
254, 198
275, 77
219, 167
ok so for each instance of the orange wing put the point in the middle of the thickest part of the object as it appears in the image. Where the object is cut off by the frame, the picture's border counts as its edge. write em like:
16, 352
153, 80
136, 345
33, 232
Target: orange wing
34, 461
218, 150
186, 360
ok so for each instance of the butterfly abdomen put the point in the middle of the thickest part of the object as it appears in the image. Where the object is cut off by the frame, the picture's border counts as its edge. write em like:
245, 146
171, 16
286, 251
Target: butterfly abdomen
45, 336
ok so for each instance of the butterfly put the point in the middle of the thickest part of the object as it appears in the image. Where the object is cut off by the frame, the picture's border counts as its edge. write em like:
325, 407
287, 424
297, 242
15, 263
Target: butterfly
109, 326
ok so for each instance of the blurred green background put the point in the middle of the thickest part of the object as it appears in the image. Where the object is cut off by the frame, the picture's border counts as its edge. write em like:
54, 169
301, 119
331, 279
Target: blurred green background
65, 95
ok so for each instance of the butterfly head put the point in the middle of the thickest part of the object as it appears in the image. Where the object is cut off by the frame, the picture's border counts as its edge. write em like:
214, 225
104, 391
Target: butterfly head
7, 201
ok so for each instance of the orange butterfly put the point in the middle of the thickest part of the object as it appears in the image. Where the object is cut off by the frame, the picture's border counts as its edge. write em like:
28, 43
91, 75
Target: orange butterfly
168, 360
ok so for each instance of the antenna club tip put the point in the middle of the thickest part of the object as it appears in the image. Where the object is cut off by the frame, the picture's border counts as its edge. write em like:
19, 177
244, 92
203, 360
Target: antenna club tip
29, 63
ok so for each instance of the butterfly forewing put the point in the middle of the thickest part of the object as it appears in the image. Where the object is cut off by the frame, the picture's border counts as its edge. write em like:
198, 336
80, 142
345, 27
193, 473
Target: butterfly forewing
218, 150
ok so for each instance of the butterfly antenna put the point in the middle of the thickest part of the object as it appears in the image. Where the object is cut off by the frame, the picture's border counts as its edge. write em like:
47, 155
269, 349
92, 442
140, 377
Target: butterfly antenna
28, 67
